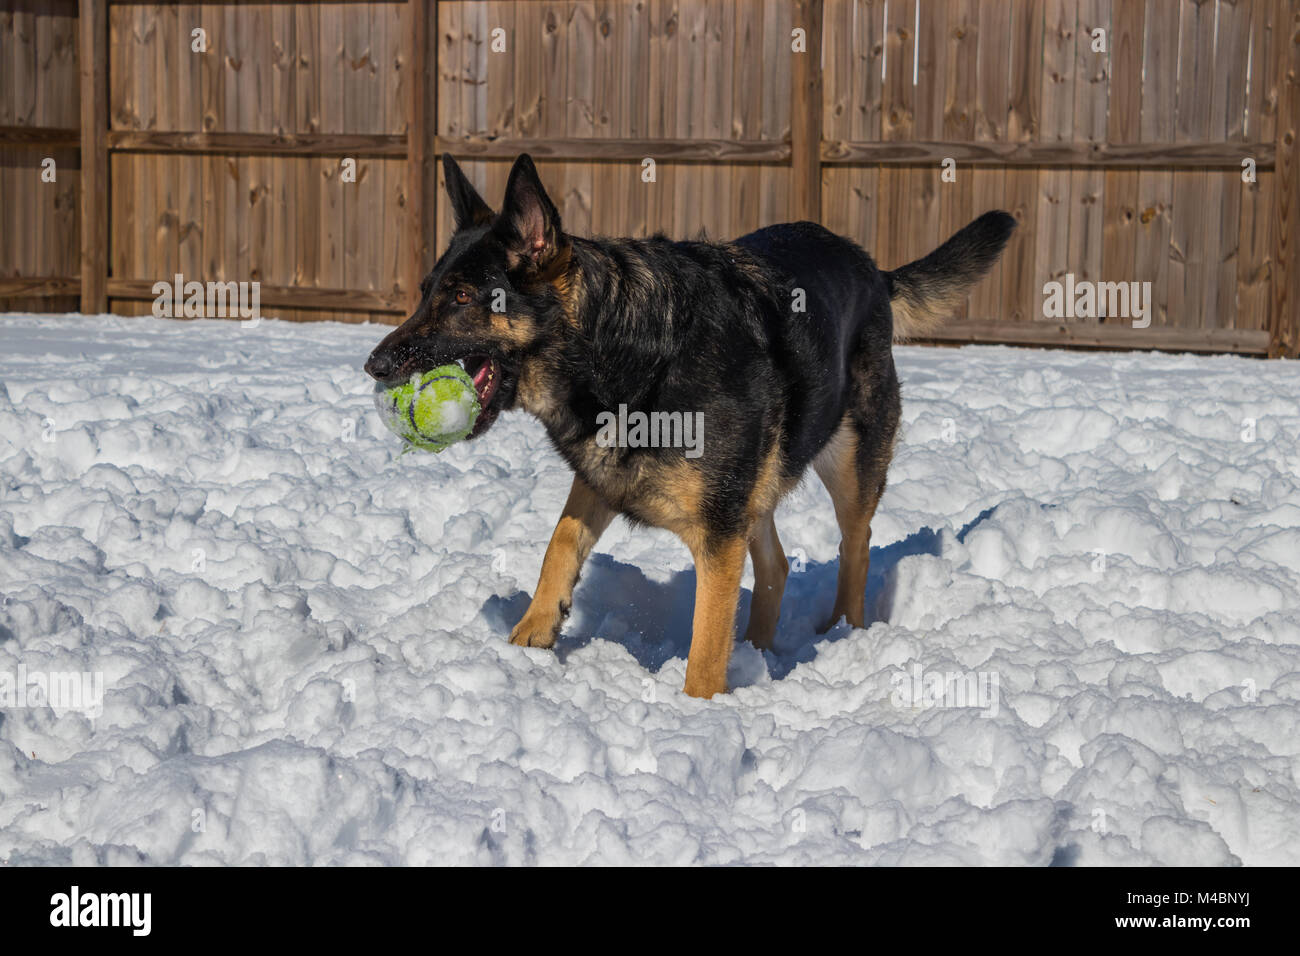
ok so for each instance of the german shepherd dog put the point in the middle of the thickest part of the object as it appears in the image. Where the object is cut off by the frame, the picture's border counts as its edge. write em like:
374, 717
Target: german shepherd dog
781, 339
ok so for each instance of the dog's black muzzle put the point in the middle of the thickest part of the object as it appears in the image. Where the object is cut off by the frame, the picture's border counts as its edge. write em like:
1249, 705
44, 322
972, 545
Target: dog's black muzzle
401, 354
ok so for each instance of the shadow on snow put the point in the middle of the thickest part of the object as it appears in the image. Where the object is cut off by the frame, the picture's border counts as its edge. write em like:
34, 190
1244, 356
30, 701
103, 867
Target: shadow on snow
615, 601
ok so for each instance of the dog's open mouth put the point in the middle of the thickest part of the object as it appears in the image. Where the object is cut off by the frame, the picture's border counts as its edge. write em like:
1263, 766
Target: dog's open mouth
488, 376
486, 373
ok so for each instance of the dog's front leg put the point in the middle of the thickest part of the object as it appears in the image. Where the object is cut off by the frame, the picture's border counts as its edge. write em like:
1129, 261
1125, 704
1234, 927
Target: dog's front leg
718, 567
584, 519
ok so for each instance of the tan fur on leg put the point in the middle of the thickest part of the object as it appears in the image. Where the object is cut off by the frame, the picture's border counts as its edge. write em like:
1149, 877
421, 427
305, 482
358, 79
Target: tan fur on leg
855, 506
584, 519
717, 589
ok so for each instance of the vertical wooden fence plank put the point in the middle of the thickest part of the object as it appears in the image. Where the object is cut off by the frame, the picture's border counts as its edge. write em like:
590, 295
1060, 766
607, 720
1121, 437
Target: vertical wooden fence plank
1284, 329
332, 64
1223, 198
1255, 247
307, 169
838, 59
420, 219
1053, 255
64, 102
1120, 206
10, 216
721, 115
931, 88
94, 155
746, 109
163, 232
357, 116
144, 100
1021, 300
957, 199
776, 181
660, 104
894, 241
231, 186
806, 115
39, 202
578, 117
1090, 104
635, 27
682, 182
1155, 186
282, 251
992, 100
1189, 241
609, 181
448, 64
189, 169
22, 82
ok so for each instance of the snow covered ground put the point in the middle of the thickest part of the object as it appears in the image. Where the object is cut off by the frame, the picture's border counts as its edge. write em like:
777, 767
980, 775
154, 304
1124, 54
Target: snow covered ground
301, 636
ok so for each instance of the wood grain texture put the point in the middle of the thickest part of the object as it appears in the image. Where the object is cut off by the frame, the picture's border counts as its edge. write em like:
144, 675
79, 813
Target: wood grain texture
1064, 154
1188, 239
288, 296
992, 110
1120, 201
419, 237
1284, 324
958, 201
50, 137
1054, 256
1222, 195
1155, 186
806, 115
226, 164
1021, 298
1091, 95
1055, 334
1254, 236
94, 42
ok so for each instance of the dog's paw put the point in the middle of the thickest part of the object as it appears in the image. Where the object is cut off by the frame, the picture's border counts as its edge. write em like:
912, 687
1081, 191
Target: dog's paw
535, 632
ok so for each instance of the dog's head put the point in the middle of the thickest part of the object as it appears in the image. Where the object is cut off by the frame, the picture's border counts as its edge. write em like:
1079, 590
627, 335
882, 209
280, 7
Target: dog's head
493, 298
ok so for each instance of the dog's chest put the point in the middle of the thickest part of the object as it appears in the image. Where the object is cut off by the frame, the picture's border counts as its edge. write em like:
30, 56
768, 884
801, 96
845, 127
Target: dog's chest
657, 491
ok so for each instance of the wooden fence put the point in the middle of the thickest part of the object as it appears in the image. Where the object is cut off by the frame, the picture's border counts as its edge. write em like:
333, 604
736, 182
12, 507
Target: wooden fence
218, 140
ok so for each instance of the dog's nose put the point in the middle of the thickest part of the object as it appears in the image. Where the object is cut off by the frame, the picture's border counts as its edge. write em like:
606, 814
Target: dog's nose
380, 365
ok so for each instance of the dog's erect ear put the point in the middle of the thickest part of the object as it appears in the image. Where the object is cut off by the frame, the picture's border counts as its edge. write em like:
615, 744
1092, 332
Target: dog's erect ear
467, 205
529, 224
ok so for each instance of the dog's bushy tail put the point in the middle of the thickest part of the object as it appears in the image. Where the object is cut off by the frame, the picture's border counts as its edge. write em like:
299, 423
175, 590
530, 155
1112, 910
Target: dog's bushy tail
925, 292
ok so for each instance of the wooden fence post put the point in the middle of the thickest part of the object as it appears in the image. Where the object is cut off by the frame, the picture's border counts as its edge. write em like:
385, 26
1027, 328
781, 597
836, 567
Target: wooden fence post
418, 205
93, 26
1284, 321
806, 116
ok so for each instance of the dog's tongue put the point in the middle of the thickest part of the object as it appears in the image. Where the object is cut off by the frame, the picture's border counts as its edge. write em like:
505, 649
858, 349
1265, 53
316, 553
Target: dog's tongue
481, 376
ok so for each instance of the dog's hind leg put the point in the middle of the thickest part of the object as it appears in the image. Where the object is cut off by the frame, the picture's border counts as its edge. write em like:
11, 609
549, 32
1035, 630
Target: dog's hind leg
853, 466
584, 519
770, 570
718, 567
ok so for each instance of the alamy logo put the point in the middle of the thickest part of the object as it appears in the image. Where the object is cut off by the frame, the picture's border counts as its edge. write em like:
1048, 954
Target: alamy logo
1083, 299
651, 430
179, 299
103, 909
925, 689
82, 692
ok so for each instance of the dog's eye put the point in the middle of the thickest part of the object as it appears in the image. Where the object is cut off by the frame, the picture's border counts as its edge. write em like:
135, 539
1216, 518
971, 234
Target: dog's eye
462, 297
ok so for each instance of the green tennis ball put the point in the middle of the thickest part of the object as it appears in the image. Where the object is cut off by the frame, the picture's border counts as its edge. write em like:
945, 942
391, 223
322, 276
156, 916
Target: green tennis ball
432, 410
